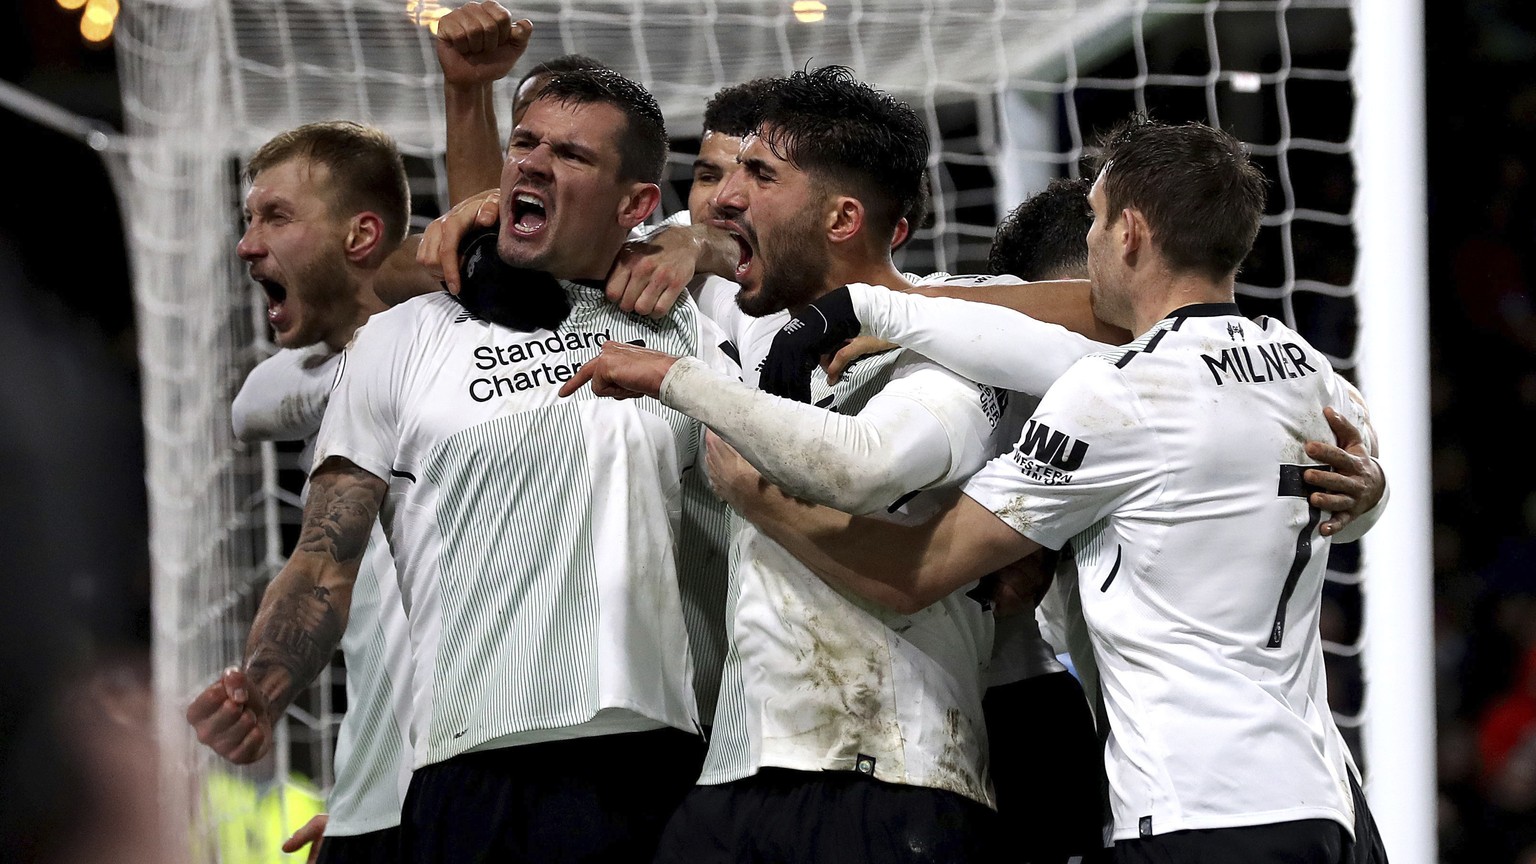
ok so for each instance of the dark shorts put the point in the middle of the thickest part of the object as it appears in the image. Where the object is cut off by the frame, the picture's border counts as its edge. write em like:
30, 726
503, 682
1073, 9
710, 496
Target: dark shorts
1307, 841
374, 847
1047, 768
599, 800
788, 817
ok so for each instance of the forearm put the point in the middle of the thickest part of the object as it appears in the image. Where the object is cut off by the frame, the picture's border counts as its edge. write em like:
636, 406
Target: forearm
714, 251
857, 463
474, 155
299, 626
401, 278
985, 343
304, 611
1064, 302
903, 568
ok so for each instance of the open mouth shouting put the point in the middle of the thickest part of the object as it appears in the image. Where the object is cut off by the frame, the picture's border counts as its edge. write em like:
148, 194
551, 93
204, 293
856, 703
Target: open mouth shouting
277, 300
745, 239
529, 213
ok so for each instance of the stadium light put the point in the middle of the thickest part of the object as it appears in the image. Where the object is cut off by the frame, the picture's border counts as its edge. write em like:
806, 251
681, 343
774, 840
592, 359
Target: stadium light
809, 11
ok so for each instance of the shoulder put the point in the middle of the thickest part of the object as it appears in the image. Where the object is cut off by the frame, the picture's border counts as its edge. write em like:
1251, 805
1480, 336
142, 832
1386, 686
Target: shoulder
437, 307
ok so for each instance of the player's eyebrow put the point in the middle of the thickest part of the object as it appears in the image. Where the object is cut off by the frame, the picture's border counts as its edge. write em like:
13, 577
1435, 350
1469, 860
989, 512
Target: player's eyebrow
754, 164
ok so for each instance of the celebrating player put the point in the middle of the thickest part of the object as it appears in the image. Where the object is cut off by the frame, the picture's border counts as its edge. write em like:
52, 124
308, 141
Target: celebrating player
533, 536
1182, 469
328, 202
844, 732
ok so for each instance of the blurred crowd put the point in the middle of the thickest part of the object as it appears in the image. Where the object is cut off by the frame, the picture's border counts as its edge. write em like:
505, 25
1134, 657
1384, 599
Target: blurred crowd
1483, 230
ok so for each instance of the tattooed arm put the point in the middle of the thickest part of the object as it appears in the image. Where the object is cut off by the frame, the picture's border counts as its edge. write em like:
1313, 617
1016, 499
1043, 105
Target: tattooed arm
301, 619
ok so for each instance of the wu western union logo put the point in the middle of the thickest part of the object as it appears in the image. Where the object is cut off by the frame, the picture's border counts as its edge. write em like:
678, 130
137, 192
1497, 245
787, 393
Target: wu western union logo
1048, 456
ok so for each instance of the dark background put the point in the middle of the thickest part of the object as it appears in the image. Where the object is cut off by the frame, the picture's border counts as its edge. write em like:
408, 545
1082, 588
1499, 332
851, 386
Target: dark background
73, 524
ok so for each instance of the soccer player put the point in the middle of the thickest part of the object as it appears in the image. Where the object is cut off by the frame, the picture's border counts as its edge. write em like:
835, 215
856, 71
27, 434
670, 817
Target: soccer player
689, 253
1182, 469
844, 731
1047, 762
328, 202
533, 536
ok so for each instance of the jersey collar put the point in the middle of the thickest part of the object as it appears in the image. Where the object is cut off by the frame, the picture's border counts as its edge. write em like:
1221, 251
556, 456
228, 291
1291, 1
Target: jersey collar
1204, 310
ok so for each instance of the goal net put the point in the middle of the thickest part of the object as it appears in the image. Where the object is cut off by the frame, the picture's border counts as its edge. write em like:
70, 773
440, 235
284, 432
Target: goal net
1013, 94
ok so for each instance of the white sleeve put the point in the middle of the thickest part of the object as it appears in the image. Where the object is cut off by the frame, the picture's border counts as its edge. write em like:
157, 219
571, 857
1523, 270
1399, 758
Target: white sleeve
906, 438
362, 423
1087, 452
283, 399
986, 343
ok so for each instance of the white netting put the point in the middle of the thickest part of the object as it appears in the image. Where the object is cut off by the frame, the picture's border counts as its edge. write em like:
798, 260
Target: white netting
1013, 93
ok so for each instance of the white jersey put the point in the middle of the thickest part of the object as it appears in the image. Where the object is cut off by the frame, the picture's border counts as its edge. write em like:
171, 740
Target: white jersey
817, 679
284, 399
1172, 466
977, 338
750, 337
533, 535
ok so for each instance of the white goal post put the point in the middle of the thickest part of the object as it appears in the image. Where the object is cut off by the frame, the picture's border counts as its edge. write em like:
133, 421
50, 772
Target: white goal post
1328, 93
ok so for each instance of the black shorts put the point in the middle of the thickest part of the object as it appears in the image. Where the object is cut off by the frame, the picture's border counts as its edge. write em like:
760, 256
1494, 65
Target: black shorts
598, 800
788, 817
1047, 768
1366, 847
1307, 841
374, 847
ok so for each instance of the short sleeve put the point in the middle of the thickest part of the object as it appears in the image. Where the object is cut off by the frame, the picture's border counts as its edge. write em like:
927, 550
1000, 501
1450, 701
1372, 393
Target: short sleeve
362, 422
1086, 452
966, 411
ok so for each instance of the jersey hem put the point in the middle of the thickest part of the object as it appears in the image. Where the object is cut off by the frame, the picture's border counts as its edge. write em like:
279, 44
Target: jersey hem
1240, 820
811, 767
347, 828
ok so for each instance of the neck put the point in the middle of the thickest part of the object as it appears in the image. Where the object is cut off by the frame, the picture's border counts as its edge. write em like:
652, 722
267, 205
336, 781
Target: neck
596, 268
876, 272
1172, 291
367, 303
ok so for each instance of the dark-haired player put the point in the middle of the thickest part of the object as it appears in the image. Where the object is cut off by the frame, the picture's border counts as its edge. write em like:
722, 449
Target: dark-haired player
533, 536
1186, 483
845, 731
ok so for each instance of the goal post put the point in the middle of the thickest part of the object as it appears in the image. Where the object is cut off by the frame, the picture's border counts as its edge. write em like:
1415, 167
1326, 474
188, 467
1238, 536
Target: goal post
1013, 93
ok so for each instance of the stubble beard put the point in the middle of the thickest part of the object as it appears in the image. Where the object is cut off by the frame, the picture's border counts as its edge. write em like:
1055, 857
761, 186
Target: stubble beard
800, 275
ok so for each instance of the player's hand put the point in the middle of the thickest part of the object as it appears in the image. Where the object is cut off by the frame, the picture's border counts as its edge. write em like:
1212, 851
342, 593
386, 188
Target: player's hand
649, 275
820, 328
230, 716
1019, 587
479, 43
860, 347
732, 477
622, 371
1356, 482
310, 835
439, 249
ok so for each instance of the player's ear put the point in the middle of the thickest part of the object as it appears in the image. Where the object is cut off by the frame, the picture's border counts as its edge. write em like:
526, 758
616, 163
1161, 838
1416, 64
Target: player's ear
845, 218
1134, 232
364, 234
638, 204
